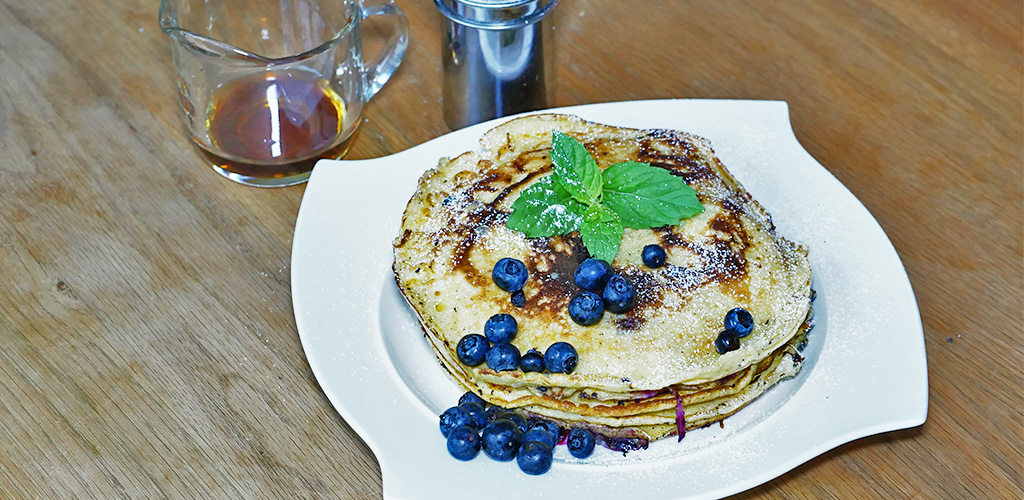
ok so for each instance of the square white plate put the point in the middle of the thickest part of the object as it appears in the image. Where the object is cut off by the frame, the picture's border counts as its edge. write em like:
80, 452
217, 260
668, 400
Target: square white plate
865, 371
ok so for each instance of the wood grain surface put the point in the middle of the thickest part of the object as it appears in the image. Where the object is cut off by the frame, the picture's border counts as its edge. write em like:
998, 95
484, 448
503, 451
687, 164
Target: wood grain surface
147, 343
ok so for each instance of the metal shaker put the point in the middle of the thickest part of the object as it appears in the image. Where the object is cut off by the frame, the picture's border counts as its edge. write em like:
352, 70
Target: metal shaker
497, 58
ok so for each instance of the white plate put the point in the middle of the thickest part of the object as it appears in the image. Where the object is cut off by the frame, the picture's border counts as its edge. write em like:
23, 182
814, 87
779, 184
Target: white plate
865, 371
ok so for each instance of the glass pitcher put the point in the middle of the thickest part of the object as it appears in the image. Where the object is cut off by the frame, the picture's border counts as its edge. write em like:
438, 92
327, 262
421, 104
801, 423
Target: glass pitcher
268, 87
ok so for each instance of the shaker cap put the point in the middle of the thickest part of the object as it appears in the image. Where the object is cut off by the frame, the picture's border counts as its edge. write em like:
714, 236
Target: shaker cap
493, 4
495, 14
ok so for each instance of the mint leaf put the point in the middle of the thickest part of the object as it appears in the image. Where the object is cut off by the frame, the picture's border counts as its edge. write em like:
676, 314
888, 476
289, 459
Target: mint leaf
600, 205
575, 169
601, 232
545, 209
644, 196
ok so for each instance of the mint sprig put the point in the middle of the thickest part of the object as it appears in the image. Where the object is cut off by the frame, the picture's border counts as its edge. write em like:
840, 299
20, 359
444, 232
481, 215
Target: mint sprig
579, 196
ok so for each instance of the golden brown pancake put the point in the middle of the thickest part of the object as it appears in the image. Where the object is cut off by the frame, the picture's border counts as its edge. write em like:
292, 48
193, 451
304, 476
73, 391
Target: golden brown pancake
634, 368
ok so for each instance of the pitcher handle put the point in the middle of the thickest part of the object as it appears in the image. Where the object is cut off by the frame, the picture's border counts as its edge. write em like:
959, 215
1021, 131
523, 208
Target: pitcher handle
380, 69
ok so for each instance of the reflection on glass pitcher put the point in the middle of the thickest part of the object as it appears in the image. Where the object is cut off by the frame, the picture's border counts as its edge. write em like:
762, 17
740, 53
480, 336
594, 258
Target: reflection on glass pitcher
268, 87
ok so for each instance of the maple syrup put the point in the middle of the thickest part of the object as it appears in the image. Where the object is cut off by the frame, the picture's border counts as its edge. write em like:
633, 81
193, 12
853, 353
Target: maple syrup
273, 127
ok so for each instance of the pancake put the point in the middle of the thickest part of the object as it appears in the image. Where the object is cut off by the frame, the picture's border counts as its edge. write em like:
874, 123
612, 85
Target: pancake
639, 370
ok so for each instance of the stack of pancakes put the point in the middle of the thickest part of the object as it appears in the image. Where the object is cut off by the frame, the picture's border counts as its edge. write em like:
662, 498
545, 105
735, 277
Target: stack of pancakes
645, 374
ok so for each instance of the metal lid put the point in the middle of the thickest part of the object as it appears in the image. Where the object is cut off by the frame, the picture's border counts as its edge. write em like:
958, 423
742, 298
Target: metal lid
493, 4
495, 14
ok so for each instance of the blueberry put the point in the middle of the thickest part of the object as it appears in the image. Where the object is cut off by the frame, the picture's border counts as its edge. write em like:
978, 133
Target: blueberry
592, 274
455, 417
495, 412
580, 442
463, 442
653, 256
727, 341
509, 274
534, 458
472, 349
471, 396
517, 419
541, 435
476, 412
560, 358
501, 439
518, 298
501, 328
549, 425
586, 308
740, 321
503, 357
532, 361
619, 295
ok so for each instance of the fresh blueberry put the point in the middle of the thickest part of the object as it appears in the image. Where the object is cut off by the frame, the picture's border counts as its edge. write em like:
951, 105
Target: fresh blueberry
463, 442
586, 308
580, 442
549, 425
653, 256
740, 321
541, 435
517, 419
501, 439
503, 357
472, 349
592, 274
727, 341
495, 412
472, 396
501, 328
454, 417
560, 358
476, 412
619, 295
532, 361
534, 458
509, 274
518, 298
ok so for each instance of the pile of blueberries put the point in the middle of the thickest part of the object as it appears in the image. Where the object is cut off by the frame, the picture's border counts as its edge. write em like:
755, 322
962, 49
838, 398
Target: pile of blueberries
605, 290
504, 435
602, 290
495, 345
738, 324
510, 275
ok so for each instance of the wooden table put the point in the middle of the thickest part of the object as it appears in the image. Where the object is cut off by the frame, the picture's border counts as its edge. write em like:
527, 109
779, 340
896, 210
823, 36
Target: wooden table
147, 343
